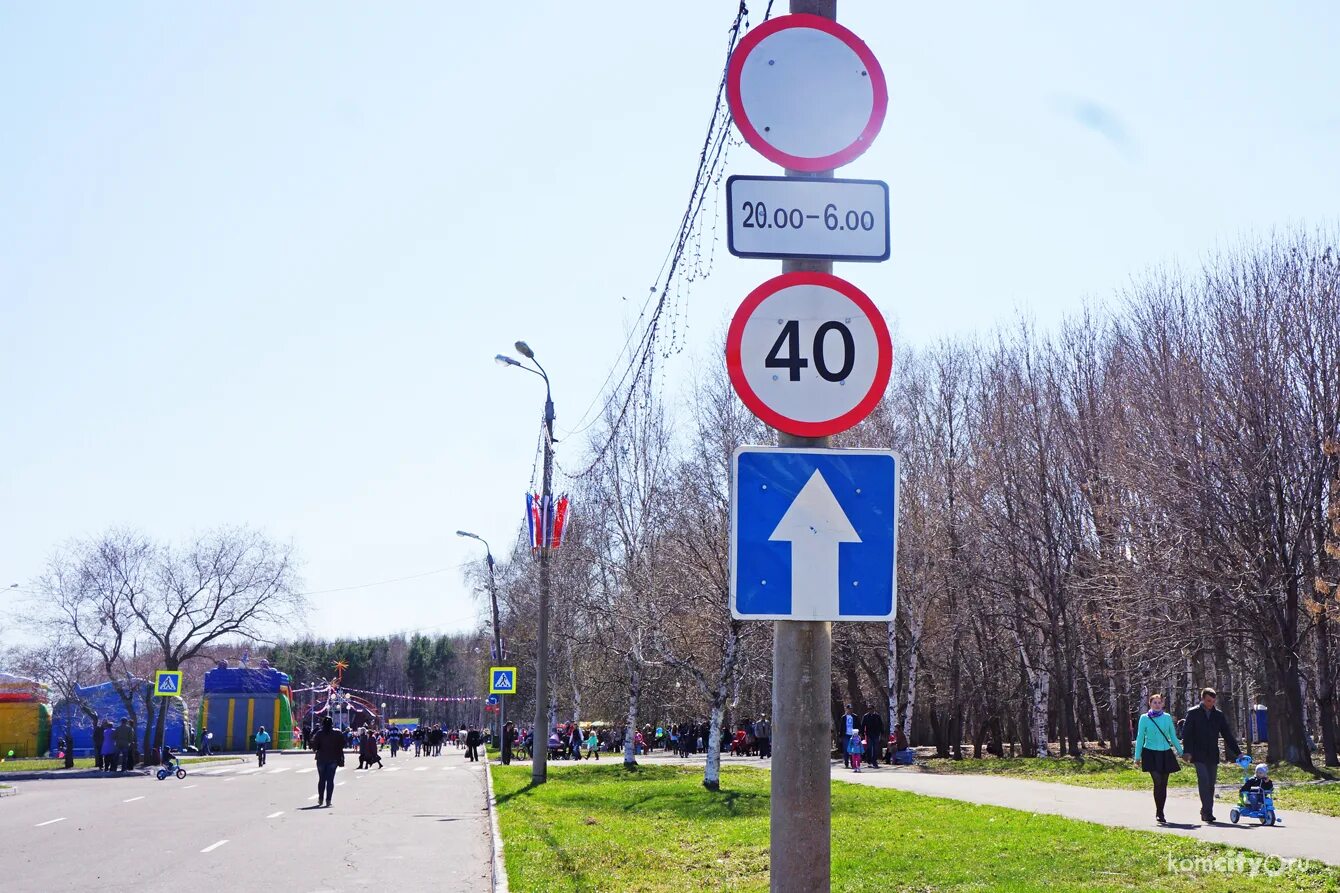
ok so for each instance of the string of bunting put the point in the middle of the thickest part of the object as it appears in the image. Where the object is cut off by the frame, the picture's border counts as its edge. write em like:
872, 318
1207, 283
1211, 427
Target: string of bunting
387, 694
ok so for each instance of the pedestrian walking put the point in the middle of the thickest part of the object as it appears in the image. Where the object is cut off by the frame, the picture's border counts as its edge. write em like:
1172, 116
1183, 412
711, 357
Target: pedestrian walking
109, 748
849, 725
763, 737
1201, 729
872, 729
1155, 742
853, 748
328, 748
125, 743
472, 746
508, 739
367, 751
395, 742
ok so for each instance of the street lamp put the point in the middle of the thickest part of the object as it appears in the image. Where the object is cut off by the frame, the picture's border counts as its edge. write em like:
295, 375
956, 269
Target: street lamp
539, 763
497, 636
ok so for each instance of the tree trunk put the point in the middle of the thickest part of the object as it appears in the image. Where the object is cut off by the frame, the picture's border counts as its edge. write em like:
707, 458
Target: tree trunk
1039, 688
712, 772
1325, 690
892, 690
630, 729
914, 624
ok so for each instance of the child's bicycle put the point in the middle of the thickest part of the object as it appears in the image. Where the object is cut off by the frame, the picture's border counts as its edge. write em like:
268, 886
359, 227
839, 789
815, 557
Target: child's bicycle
173, 768
1256, 804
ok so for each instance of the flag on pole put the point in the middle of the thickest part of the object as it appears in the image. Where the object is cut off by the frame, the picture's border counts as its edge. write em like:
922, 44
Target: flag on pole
545, 520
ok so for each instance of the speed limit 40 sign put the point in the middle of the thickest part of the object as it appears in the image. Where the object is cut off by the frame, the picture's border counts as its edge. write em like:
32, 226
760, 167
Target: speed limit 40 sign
809, 353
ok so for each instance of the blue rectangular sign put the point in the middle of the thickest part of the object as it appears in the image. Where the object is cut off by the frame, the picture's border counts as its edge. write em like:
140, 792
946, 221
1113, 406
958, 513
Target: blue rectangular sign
814, 534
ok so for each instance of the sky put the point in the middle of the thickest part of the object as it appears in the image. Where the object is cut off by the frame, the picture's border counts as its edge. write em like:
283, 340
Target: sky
255, 258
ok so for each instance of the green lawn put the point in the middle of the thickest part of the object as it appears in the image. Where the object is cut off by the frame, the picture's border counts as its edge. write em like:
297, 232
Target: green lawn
1113, 772
1096, 771
33, 764
1323, 798
598, 828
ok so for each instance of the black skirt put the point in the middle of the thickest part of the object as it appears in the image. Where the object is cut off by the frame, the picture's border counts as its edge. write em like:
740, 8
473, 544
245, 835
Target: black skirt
1164, 761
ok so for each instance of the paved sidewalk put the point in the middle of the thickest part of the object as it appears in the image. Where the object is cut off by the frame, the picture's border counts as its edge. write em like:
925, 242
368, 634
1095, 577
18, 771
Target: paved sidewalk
1300, 835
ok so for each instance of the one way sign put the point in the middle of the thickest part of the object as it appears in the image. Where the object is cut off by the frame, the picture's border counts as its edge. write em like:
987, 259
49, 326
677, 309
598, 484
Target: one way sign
814, 534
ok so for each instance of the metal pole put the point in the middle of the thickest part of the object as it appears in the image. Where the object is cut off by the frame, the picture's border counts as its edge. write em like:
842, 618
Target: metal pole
539, 762
497, 646
800, 811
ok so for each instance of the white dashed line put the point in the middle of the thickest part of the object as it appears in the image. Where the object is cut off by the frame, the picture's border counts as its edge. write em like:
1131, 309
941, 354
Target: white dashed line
393, 769
188, 787
339, 784
275, 815
213, 846
252, 771
49, 822
420, 768
234, 778
313, 797
280, 769
221, 771
305, 771
132, 799
447, 768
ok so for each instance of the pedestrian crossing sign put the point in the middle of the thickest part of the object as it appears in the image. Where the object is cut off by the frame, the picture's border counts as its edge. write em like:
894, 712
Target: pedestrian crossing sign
502, 680
167, 683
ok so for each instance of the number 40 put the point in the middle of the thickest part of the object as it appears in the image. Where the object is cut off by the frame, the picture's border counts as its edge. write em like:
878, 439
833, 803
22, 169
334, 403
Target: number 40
789, 341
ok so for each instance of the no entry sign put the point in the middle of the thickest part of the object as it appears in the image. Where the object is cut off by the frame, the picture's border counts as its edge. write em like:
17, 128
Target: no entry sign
806, 92
809, 354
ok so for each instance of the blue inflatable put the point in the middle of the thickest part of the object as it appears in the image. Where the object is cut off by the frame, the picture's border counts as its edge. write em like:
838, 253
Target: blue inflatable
103, 700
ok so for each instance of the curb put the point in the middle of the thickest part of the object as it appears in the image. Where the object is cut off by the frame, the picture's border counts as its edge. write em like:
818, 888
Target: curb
59, 774
499, 867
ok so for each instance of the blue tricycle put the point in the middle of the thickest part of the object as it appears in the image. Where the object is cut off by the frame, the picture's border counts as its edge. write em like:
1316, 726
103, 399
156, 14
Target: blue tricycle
1256, 803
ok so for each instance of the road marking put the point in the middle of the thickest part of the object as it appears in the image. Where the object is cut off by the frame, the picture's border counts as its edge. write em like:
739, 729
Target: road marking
393, 769
188, 787
313, 797
281, 769
447, 768
420, 768
49, 822
213, 846
275, 815
339, 784
132, 799
252, 771
234, 778
305, 771
223, 771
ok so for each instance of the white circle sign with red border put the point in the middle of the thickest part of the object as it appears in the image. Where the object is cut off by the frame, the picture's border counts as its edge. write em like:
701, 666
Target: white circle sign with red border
806, 92
809, 353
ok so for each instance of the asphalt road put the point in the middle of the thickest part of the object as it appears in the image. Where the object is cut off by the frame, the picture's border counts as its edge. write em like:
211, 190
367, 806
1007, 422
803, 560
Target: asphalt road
419, 821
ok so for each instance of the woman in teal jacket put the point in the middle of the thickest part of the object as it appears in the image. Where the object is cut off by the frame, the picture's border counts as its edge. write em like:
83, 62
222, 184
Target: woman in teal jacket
1155, 741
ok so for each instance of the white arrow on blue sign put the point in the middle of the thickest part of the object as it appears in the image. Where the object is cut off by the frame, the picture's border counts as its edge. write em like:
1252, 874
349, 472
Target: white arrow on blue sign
814, 534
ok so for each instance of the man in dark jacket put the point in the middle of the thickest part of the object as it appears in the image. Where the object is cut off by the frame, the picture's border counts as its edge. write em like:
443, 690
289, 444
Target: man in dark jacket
1200, 740
872, 727
125, 743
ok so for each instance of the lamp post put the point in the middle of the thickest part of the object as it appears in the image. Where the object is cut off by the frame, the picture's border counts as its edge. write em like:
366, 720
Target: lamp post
497, 630
539, 763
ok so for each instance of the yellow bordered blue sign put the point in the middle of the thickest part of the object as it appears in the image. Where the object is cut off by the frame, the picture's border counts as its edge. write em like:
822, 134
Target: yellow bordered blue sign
167, 683
502, 680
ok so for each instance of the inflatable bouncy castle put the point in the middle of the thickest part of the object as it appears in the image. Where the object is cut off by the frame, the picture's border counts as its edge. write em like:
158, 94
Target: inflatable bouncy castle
103, 701
239, 700
25, 717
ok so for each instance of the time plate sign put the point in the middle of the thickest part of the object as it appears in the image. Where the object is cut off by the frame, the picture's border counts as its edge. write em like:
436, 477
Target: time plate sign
781, 217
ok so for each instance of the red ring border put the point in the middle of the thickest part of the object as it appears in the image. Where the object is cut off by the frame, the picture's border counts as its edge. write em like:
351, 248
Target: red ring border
751, 134
735, 366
